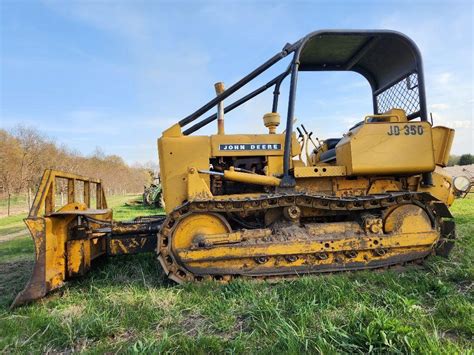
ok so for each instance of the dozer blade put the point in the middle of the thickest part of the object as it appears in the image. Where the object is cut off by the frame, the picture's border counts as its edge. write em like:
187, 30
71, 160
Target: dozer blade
64, 248
69, 238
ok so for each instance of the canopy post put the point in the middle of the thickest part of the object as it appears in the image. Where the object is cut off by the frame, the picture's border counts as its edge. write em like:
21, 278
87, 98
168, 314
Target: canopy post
276, 91
288, 180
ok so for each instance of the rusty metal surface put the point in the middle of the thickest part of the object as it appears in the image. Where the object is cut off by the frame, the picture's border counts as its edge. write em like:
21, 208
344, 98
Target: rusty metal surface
131, 244
62, 250
36, 286
324, 268
132, 237
147, 225
89, 211
447, 240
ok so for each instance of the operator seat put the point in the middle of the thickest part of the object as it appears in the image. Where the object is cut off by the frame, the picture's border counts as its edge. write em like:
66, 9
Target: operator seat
329, 156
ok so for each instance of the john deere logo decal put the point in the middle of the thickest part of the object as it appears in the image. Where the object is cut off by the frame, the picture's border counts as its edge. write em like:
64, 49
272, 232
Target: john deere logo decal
257, 146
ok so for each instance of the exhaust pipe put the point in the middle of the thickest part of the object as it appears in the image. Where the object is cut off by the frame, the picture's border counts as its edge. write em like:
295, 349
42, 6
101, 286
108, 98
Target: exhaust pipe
220, 108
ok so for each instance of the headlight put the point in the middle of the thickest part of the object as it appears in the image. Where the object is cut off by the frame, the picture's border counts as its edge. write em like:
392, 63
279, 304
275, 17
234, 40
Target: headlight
462, 184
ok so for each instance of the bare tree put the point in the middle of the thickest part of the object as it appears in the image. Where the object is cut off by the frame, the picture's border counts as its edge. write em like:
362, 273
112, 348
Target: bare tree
25, 153
10, 165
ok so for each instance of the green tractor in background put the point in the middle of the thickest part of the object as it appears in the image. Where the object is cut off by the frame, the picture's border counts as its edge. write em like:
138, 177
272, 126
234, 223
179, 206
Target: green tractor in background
153, 194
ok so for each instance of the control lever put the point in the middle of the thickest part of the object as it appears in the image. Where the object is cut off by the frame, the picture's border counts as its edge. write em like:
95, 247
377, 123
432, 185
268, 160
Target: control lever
309, 137
302, 141
301, 136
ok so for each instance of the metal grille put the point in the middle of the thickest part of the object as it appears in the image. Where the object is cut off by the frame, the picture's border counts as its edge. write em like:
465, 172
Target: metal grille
403, 94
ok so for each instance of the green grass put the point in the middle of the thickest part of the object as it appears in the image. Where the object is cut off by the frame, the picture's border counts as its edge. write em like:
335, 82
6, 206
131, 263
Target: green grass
129, 211
12, 224
127, 305
15, 200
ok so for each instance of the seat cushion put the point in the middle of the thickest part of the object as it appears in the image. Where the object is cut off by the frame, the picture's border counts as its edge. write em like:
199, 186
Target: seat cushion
332, 142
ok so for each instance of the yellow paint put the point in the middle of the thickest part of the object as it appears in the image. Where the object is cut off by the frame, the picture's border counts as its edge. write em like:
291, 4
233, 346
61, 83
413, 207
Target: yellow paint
442, 187
197, 187
382, 186
204, 242
344, 187
221, 252
78, 257
407, 219
386, 153
236, 197
177, 156
248, 178
57, 255
274, 166
373, 148
180, 153
271, 120
319, 171
279, 262
173, 131
117, 247
442, 142
196, 225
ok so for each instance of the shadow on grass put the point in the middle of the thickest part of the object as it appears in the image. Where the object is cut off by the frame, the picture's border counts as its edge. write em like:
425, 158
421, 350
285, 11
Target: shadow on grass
120, 271
19, 248
13, 277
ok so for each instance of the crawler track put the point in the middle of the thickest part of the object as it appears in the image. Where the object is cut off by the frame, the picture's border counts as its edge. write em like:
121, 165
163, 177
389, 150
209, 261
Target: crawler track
328, 259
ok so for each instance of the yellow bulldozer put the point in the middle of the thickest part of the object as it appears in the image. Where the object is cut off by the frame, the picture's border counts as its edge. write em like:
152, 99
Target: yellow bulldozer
280, 204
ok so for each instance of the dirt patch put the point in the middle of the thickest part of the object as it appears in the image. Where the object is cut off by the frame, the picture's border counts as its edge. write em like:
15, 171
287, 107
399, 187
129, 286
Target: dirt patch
450, 335
123, 336
193, 324
465, 287
241, 326
69, 313
13, 278
79, 346
13, 210
457, 170
7, 237
10, 268
160, 299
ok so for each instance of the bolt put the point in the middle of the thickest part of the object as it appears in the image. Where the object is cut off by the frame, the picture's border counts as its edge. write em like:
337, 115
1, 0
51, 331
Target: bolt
375, 228
261, 259
322, 256
292, 213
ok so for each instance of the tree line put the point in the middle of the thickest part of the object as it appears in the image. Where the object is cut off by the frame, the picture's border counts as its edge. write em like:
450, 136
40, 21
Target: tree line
465, 159
25, 153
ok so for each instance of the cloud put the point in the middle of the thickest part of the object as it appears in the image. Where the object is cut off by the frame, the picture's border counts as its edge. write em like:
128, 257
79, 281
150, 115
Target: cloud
444, 78
440, 106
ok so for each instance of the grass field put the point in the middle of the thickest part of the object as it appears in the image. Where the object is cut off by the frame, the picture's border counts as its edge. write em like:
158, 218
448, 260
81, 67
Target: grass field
127, 305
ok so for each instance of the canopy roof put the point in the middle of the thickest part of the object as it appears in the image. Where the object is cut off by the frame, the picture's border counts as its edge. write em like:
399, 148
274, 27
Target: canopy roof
382, 57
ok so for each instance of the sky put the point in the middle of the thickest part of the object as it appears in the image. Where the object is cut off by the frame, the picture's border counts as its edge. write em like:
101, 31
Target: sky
115, 74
